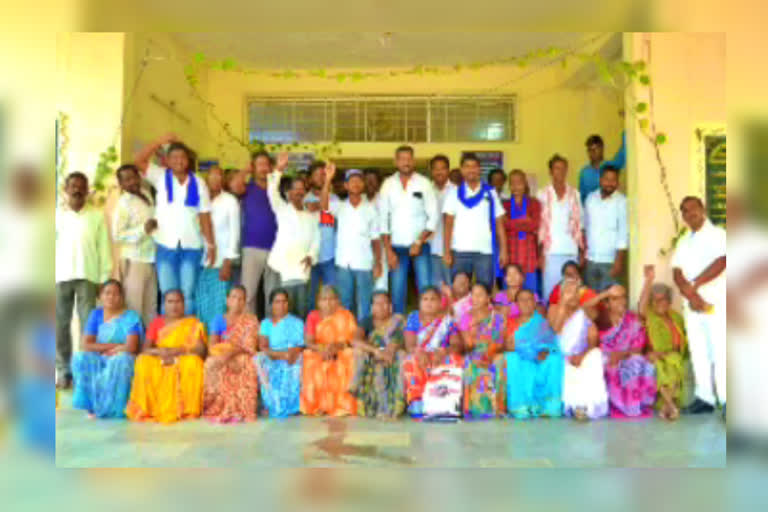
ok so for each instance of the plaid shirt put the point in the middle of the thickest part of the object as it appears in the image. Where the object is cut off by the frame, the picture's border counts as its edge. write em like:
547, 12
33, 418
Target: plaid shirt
524, 250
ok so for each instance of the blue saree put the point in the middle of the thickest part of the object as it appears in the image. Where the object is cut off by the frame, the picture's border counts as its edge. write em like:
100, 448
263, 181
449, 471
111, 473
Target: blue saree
280, 382
534, 388
103, 383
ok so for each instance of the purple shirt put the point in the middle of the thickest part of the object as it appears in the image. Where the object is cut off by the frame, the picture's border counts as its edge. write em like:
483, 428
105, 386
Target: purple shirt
259, 223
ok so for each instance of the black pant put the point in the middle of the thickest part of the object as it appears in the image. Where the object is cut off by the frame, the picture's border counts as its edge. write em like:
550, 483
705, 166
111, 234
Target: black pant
80, 293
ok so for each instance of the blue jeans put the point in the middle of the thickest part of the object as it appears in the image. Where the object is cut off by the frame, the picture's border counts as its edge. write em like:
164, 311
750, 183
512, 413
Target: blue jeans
440, 273
355, 289
325, 271
481, 265
422, 267
178, 269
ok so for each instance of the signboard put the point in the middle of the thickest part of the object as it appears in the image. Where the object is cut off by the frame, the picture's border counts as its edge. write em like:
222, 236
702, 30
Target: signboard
489, 160
715, 176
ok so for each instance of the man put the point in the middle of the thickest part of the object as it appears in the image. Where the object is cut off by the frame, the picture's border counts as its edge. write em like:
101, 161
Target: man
498, 180
297, 243
455, 177
560, 236
325, 268
698, 267
475, 240
372, 188
83, 261
408, 219
259, 230
441, 168
183, 214
606, 232
358, 249
589, 176
132, 225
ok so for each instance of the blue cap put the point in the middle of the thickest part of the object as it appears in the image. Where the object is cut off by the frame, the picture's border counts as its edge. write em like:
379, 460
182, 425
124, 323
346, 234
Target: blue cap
353, 172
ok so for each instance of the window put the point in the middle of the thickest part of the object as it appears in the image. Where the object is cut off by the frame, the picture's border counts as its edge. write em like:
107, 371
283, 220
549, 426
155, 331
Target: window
383, 119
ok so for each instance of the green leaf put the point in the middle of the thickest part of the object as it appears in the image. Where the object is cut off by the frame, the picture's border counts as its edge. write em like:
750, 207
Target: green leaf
643, 123
341, 77
641, 107
645, 79
190, 70
228, 64
661, 138
199, 57
639, 65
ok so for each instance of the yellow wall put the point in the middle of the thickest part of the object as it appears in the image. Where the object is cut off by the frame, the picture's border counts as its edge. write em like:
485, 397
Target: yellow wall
551, 117
688, 74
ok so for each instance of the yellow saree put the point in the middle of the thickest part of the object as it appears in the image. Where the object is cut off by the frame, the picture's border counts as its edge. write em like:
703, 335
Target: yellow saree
174, 392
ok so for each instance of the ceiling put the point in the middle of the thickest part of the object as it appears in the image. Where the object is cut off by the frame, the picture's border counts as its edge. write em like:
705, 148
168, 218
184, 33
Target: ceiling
306, 50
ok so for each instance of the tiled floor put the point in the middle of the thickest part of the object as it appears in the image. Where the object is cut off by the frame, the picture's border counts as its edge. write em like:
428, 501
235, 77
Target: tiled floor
354, 442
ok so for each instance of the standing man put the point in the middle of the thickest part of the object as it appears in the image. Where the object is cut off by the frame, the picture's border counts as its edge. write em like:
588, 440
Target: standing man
498, 180
606, 232
83, 261
475, 239
183, 214
325, 268
372, 188
358, 249
560, 235
259, 230
132, 226
408, 219
698, 267
589, 176
441, 168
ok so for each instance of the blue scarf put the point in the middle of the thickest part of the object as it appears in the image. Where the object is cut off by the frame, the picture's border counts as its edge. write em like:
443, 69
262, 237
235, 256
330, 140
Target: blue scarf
516, 213
485, 193
193, 196
534, 336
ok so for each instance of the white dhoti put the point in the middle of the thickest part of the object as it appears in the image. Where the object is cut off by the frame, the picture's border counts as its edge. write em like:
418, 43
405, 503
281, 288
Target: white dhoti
706, 339
584, 386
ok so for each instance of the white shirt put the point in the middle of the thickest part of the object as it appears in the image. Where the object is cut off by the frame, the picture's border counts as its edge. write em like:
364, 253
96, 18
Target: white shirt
128, 220
697, 251
225, 216
562, 241
82, 246
25, 249
298, 235
605, 221
177, 223
357, 228
472, 226
406, 212
437, 240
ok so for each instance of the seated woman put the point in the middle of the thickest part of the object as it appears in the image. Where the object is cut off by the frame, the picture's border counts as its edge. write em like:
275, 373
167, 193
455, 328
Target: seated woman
328, 359
457, 299
279, 361
630, 377
377, 381
505, 302
482, 333
168, 376
429, 332
572, 271
668, 346
533, 365
584, 392
230, 384
103, 369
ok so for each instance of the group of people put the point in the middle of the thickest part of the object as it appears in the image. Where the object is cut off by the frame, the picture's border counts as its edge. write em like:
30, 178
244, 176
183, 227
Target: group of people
504, 323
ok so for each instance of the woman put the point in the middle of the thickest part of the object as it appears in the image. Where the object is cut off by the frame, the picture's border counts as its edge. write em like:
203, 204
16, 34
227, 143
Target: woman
457, 299
214, 281
533, 365
377, 382
506, 301
572, 271
103, 368
482, 333
429, 333
522, 226
329, 358
584, 392
168, 376
630, 377
230, 384
279, 361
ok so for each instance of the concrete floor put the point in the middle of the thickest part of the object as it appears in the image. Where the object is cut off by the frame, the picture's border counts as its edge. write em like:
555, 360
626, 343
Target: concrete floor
694, 441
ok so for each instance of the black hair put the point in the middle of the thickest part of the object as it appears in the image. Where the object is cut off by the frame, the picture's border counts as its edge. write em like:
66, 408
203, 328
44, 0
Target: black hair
556, 158
595, 139
260, 153
609, 168
76, 175
279, 291
315, 165
440, 158
691, 198
113, 282
430, 289
372, 171
515, 266
382, 293
495, 172
237, 287
404, 149
180, 146
522, 291
172, 291
466, 157
126, 167
460, 273
484, 287
570, 263
521, 173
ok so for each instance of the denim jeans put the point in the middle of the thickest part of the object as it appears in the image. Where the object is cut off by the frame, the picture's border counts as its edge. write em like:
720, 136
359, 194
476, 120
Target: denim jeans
325, 271
178, 269
440, 273
481, 265
598, 275
82, 294
297, 294
422, 267
355, 290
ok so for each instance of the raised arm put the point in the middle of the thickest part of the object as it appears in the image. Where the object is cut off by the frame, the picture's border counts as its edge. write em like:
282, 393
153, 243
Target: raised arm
645, 295
325, 193
145, 154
